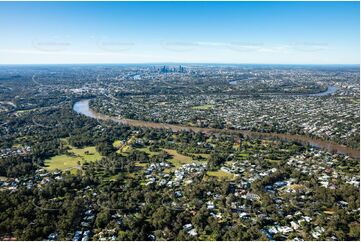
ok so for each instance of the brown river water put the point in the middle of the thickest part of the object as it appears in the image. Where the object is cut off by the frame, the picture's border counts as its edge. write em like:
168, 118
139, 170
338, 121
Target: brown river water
82, 107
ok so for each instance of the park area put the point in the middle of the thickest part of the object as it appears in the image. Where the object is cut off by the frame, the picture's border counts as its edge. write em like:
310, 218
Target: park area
73, 159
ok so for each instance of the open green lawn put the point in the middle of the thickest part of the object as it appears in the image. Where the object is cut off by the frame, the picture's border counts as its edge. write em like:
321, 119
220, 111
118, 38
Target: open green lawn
62, 162
70, 162
203, 107
221, 174
16, 145
177, 159
117, 143
88, 153
140, 164
243, 154
146, 150
26, 110
124, 149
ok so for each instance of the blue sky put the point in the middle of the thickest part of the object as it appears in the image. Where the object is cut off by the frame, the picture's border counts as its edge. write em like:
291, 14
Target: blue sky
188, 32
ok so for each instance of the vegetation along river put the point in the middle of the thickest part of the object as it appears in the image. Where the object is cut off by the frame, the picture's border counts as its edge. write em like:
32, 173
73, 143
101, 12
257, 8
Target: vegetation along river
82, 107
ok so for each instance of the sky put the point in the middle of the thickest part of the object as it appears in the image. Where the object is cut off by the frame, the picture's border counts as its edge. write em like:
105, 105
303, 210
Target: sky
182, 32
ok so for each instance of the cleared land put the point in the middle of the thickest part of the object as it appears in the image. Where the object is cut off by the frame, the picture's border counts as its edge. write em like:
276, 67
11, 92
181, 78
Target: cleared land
117, 143
203, 107
70, 161
221, 174
146, 150
177, 159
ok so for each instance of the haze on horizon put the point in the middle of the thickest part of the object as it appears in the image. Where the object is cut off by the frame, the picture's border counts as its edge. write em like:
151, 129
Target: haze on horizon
186, 32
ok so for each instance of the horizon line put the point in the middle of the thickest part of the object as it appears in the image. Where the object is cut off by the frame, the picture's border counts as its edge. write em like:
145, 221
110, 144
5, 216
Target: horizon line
182, 63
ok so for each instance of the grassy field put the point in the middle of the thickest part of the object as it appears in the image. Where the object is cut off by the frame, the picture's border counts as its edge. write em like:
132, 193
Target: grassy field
146, 150
26, 110
221, 174
177, 159
203, 107
117, 144
16, 145
329, 212
124, 149
243, 155
70, 162
127, 149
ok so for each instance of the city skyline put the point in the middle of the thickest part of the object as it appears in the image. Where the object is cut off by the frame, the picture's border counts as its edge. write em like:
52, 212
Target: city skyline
180, 32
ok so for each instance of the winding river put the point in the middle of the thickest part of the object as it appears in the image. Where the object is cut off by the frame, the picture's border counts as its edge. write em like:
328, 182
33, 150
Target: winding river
329, 91
82, 107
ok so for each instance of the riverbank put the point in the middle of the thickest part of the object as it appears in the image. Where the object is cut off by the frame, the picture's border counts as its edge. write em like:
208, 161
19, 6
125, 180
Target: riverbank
82, 107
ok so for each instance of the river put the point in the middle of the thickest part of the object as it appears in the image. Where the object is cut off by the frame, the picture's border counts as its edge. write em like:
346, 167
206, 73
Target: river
330, 90
82, 107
